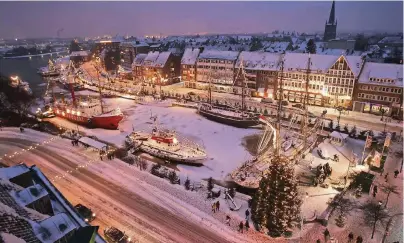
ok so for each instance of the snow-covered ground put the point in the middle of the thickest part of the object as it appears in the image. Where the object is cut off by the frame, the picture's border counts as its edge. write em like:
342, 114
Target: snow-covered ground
222, 142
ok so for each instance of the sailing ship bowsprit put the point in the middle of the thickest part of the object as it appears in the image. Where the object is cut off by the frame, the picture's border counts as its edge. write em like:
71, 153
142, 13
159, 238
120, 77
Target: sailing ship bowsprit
237, 117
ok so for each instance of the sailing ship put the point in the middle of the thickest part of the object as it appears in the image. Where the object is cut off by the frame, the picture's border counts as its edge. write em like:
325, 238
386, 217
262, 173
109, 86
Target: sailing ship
227, 114
49, 71
88, 113
163, 143
288, 139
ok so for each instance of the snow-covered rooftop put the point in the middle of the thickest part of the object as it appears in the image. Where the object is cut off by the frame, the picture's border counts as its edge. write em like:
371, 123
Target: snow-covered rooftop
259, 60
213, 54
53, 228
277, 47
382, 71
156, 59
190, 56
92, 143
139, 59
11, 172
30, 194
391, 39
162, 59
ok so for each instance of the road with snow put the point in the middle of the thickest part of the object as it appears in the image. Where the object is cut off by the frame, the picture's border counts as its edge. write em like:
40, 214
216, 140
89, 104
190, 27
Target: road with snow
113, 200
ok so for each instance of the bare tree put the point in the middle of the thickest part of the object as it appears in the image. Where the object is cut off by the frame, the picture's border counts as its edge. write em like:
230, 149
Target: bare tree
389, 189
374, 213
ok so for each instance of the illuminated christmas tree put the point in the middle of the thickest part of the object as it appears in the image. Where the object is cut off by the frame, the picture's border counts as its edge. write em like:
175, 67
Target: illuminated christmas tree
276, 205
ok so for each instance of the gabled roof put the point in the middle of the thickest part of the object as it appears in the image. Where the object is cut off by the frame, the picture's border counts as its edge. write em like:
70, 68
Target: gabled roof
190, 56
259, 60
354, 63
382, 70
151, 57
162, 59
156, 59
139, 59
213, 54
322, 62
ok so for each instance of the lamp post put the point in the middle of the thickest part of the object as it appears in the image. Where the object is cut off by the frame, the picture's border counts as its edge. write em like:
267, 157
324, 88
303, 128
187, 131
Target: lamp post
339, 109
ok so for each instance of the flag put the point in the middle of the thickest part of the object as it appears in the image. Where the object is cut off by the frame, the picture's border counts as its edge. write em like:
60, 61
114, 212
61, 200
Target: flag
368, 141
387, 141
376, 159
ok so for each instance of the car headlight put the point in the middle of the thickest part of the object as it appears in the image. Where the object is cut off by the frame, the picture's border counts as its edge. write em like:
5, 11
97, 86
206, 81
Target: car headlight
93, 214
86, 220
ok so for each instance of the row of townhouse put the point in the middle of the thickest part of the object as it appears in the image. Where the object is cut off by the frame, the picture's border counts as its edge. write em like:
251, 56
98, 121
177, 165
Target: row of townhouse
347, 81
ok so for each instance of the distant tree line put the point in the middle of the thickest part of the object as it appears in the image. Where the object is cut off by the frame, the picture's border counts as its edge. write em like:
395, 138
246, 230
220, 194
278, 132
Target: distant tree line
22, 51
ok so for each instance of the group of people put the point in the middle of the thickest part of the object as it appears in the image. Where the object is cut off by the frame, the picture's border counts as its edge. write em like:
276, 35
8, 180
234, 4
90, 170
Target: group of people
215, 206
75, 142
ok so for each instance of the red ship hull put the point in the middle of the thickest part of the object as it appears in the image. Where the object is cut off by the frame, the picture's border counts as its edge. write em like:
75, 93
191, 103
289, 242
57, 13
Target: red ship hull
103, 121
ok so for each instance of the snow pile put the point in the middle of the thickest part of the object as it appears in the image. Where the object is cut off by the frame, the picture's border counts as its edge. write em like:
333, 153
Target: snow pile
30, 194
53, 228
6, 210
35, 215
10, 186
9, 238
11, 172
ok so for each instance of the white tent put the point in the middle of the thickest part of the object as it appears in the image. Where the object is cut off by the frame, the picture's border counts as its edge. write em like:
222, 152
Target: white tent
93, 143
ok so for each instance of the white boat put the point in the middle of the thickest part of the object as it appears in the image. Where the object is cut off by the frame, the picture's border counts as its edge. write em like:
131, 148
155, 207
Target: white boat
165, 145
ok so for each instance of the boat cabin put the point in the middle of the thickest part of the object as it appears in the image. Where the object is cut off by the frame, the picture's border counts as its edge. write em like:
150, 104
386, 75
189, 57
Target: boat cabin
167, 137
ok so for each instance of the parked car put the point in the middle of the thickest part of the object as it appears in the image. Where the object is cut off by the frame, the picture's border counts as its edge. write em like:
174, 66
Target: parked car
85, 212
267, 100
114, 235
298, 106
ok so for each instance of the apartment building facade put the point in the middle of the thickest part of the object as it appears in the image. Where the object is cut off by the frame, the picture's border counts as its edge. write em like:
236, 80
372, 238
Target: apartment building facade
188, 67
217, 68
261, 73
129, 50
380, 86
331, 79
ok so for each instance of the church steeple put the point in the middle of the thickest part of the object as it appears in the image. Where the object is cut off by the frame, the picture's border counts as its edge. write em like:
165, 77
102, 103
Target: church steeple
331, 20
330, 31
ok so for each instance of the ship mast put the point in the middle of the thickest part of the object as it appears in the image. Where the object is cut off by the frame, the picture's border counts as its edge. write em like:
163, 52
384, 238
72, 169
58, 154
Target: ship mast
99, 88
304, 122
71, 82
210, 88
278, 116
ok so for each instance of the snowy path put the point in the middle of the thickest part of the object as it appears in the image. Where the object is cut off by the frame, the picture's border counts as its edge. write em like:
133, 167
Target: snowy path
134, 201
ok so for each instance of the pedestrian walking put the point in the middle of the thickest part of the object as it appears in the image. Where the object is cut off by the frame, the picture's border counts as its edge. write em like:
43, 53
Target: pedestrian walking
374, 191
326, 234
240, 227
73, 143
359, 239
247, 225
228, 220
396, 172
350, 237
217, 205
247, 214
213, 207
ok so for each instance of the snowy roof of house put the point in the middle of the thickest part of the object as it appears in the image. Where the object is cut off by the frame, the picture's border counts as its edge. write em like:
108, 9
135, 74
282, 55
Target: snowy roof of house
259, 60
57, 226
155, 46
190, 56
334, 52
391, 39
11, 172
151, 57
321, 62
139, 59
9, 238
79, 54
92, 142
384, 71
214, 54
339, 135
277, 46
162, 59
354, 63
30, 194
